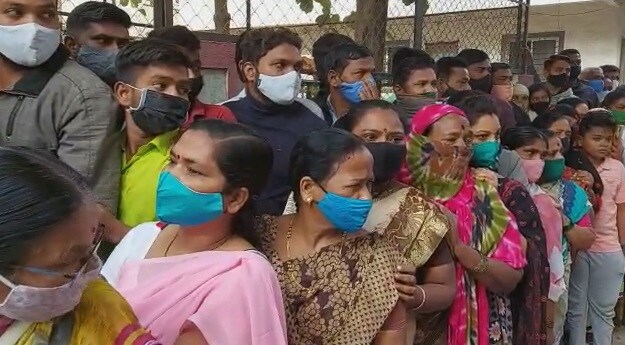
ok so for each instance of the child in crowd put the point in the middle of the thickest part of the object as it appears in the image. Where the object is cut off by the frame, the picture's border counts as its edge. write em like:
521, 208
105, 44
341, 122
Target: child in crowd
597, 274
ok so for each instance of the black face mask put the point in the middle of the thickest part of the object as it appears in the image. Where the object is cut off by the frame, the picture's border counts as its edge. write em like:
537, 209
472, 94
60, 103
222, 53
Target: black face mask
566, 145
449, 92
197, 84
539, 107
159, 113
575, 72
559, 80
484, 84
387, 160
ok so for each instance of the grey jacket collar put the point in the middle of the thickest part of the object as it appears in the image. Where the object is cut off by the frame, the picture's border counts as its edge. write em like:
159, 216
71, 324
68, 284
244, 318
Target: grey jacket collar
36, 79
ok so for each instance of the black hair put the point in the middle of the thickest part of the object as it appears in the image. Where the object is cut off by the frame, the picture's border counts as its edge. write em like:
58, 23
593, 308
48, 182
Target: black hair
359, 110
403, 68
341, 55
536, 87
612, 97
245, 159
513, 138
445, 66
87, 13
403, 53
578, 160
478, 106
473, 56
555, 58
148, 52
37, 192
548, 134
252, 45
318, 155
321, 48
547, 119
600, 118
178, 35
610, 68
564, 109
496, 66
569, 51
572, 102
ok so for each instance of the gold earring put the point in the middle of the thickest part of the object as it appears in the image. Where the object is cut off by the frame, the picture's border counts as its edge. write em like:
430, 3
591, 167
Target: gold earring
309, 200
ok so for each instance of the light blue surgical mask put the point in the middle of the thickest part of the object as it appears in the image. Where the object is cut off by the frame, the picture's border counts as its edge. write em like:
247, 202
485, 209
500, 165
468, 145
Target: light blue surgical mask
351, 91
178, 204
596, 85
486, 154
345, 214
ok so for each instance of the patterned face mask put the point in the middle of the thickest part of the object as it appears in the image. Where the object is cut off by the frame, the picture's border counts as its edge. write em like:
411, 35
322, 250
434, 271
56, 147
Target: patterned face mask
437, 169
34, 304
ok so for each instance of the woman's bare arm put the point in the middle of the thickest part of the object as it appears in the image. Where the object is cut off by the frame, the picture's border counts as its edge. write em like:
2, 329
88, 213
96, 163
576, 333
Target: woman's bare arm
393, 331
437, 279
498, 278
191, 336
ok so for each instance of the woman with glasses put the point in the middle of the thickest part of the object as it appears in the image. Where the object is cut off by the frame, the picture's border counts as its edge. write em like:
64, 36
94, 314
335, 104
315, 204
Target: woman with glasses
196, 277
50, 291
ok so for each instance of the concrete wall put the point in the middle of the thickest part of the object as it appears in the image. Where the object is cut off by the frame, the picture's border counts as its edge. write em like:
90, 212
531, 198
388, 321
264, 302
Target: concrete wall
594, 28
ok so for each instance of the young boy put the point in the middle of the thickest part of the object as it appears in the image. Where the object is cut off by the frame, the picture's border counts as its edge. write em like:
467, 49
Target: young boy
597, 273
153, 89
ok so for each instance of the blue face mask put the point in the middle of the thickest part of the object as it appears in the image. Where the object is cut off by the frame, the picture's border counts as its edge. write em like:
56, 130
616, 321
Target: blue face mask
596, 85
351, 91
486, 154
178, 204
345, 214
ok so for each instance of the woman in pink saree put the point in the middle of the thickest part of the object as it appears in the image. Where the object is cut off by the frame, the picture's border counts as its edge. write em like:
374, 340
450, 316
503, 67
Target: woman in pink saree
487, 246
195, 277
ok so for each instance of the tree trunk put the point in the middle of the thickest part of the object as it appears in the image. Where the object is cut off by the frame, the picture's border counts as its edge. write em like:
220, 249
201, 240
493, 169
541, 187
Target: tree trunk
370, 27
222, 17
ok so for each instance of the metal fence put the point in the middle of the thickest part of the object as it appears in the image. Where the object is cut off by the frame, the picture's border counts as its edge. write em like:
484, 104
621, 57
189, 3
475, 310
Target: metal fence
441, 27
141, 12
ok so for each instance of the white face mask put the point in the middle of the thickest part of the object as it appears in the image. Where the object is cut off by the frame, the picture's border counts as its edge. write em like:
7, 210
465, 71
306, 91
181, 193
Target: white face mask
29, 44
280, 89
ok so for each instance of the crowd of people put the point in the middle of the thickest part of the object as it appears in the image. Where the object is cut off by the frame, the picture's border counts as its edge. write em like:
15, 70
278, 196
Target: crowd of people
471, 210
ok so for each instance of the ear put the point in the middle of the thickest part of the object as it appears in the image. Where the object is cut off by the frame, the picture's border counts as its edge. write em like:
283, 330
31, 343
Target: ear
72, 44
123, 94
249, 72
309, 191
398, 89
236, 200
334, 79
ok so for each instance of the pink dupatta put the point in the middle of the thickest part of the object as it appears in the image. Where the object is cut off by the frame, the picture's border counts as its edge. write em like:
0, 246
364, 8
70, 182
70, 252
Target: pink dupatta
233, 298
471, 297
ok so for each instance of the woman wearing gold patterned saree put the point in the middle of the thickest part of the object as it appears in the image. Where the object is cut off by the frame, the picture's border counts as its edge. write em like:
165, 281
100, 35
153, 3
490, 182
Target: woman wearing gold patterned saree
338, 284
414, 224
